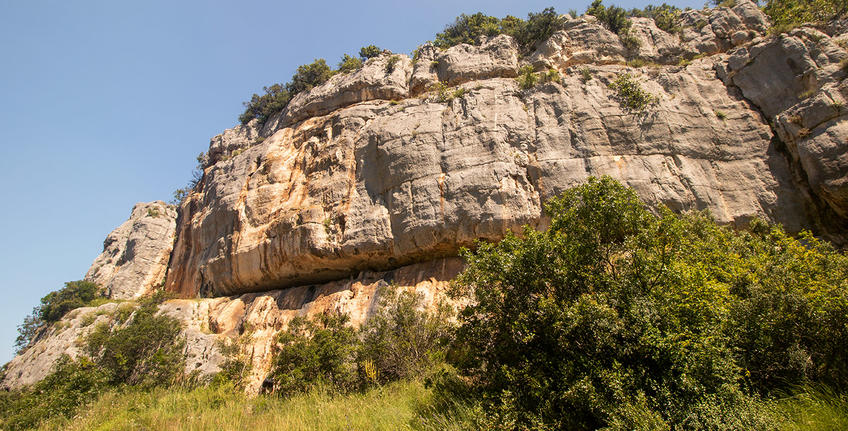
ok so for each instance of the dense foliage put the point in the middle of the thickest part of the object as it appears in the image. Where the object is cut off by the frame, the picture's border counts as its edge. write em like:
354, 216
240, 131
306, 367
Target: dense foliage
146, 351
349, 64
53, 306
615, 20
664, 16
316, 352
615, 316
401, 340
527, 33
369, 51
789, 13
630, 95
277, 96
71, 384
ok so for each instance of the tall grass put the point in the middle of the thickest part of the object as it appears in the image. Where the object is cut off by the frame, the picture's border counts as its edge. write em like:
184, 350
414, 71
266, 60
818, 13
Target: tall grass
392, 407
405, 405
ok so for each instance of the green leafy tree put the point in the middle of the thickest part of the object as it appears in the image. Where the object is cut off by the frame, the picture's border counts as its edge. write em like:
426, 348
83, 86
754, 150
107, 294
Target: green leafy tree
262, 107
665, 16
538, 27
309, 76
613, 18
53, 306
468, 29
314, 353
349, 64
616, 316
369, 51
404, 339
147, 351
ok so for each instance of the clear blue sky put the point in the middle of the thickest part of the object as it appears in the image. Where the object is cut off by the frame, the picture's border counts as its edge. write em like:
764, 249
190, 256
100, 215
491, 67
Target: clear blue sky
106, 103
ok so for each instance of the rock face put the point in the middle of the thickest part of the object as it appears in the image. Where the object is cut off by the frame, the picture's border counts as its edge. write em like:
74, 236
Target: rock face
379, 176
135, 255
798, 80
352, 181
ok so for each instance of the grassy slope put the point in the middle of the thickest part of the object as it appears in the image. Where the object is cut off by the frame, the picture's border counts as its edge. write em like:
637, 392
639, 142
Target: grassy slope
389, 408
393, 407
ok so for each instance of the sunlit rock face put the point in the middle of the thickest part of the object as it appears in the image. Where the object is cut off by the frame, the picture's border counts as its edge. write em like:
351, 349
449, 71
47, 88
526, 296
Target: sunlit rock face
376, 169
135, 255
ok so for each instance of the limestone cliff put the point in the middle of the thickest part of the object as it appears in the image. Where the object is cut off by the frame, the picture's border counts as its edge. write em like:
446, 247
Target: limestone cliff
376, 177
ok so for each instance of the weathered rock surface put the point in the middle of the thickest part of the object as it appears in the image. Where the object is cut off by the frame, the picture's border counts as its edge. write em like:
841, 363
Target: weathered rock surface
799, 83
376, 184
135, 255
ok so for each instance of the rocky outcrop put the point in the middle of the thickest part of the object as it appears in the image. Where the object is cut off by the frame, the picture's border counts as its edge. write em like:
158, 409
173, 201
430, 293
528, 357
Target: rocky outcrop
379, 184
135, 255
798, 80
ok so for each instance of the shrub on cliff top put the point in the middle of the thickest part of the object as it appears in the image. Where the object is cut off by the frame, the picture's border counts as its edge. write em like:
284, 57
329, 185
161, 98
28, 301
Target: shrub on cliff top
618, 317
349, 64
527, 33
369, 51
277, 96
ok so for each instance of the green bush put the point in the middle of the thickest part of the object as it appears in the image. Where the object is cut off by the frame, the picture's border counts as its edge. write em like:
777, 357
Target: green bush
403, 340
236, 367
789, 13
349, 64
527, 77
468, 29
309, 76
613, 18
317, 352
369, 51
146, 351
630, 95
262, 107
391, 63
277, 96
53, 306
618, 317
664, 16
70, 385
537, 28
